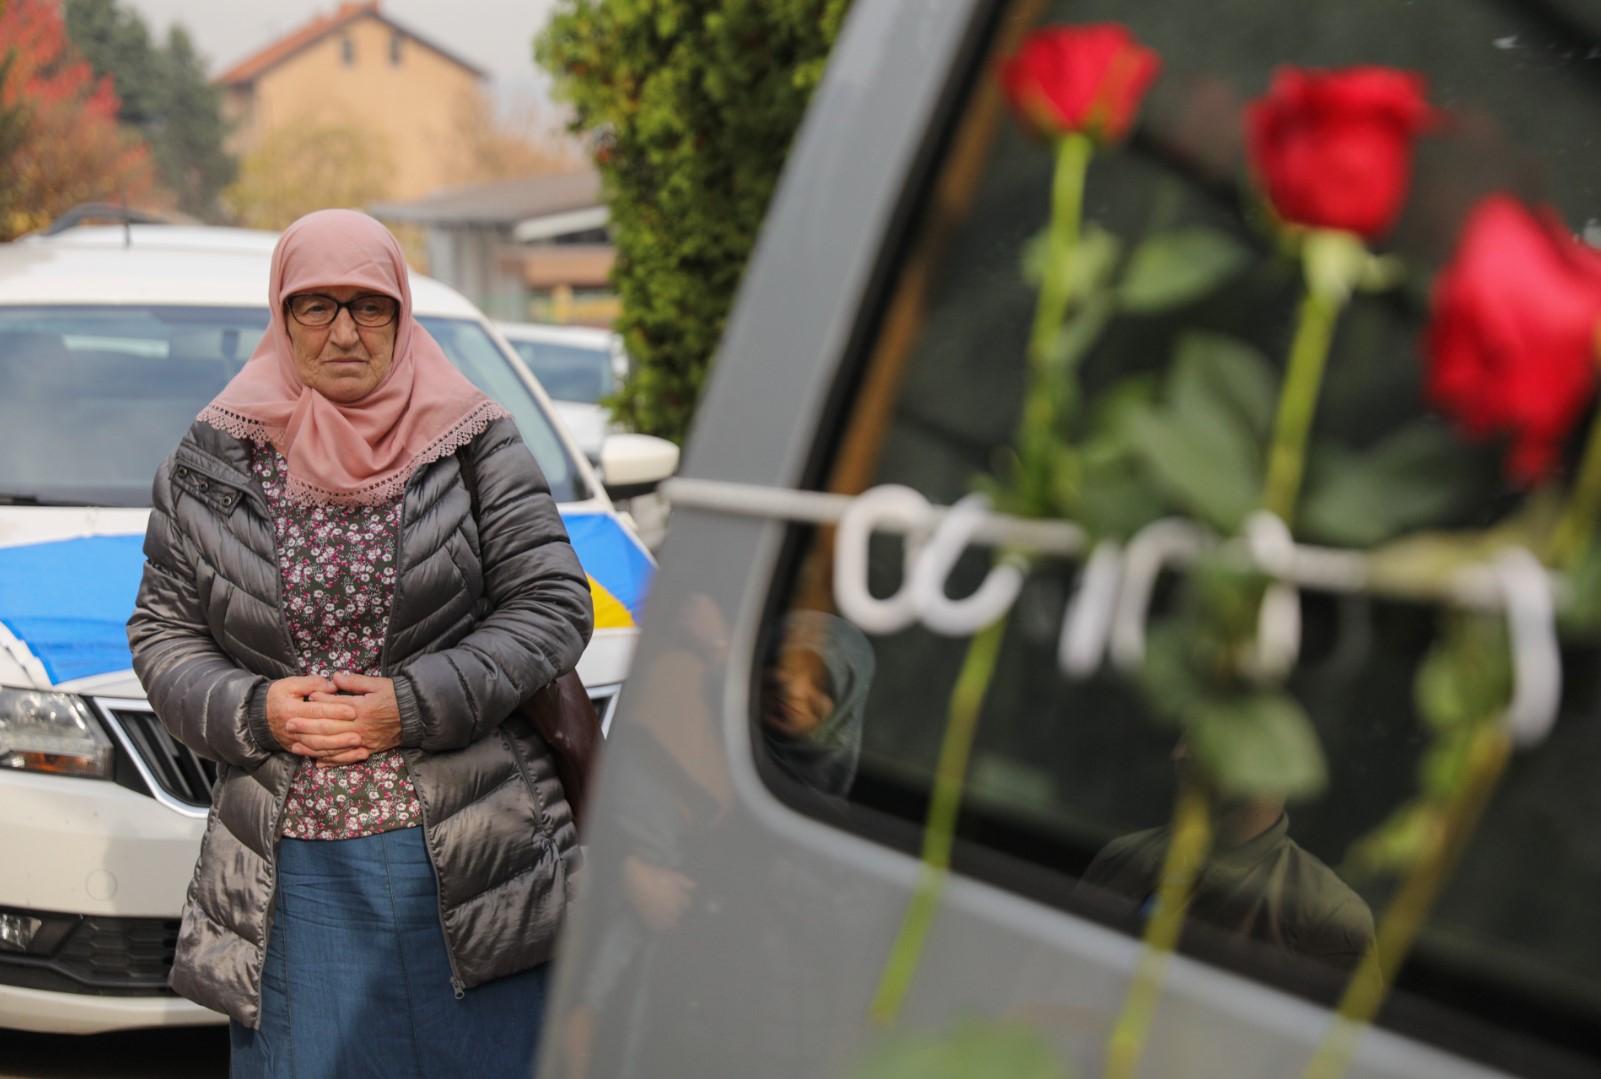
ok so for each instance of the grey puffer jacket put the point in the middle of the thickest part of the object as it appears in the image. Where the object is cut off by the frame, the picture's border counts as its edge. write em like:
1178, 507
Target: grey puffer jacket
486, 610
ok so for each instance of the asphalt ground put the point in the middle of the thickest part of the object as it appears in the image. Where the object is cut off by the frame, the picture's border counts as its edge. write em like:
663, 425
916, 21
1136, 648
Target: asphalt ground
175, 1053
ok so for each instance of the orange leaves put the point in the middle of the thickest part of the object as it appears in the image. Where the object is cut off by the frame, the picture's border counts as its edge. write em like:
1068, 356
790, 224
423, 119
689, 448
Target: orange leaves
71, 149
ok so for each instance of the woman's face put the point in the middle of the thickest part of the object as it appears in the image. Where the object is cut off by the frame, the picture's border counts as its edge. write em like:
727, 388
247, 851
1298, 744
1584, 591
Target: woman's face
343, 361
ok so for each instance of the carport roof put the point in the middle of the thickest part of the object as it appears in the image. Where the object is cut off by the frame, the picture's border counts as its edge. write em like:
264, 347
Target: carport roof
502, 203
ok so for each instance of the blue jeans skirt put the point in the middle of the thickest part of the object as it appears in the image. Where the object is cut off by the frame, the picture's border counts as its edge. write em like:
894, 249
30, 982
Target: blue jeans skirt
357, 981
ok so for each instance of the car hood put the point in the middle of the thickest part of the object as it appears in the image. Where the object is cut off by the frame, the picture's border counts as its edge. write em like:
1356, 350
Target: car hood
69, 576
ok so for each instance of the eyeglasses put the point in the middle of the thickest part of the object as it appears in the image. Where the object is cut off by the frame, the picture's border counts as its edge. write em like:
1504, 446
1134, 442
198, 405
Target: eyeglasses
316, 310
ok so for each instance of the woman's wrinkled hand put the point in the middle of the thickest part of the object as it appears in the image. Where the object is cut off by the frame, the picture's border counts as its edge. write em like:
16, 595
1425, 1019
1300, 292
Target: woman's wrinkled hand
291, 705
375, 720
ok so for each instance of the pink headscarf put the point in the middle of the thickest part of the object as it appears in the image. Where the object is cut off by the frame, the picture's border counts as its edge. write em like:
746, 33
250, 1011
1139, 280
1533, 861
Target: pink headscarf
364, 451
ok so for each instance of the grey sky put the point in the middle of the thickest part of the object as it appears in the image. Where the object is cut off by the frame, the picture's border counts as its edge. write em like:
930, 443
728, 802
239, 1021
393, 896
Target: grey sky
497, 35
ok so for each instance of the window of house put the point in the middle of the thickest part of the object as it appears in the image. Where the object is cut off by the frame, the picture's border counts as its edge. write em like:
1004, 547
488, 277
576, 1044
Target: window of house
395, 40
347, 50
1063, 772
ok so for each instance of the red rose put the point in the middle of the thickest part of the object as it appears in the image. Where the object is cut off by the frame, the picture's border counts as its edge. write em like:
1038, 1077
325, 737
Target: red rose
1087, 79
1512, 344
1333, 149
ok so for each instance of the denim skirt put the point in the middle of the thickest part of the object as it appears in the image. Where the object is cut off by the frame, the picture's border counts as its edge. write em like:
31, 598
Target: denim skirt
357, 981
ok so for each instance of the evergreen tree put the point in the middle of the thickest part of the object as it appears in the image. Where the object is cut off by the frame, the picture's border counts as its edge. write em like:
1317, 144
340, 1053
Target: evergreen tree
166, 98
691, 105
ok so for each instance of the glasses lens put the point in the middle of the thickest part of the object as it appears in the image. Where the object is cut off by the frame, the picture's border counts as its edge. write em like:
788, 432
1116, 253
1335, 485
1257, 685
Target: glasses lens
313, 310
374, 310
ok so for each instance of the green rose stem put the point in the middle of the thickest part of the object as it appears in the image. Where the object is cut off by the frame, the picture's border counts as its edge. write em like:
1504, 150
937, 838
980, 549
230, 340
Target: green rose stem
1186, 851
1048, 398
1333, 263
1333, 260
967, 700
1457, 817
1050, 388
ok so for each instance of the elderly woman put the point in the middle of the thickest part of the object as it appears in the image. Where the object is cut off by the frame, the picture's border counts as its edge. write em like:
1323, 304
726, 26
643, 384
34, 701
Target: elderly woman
355, 573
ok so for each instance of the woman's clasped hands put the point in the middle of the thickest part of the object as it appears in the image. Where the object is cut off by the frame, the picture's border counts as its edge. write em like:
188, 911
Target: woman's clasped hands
340, 720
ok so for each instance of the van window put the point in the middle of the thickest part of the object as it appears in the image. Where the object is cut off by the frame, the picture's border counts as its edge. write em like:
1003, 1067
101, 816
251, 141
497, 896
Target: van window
92, 399
1069, 775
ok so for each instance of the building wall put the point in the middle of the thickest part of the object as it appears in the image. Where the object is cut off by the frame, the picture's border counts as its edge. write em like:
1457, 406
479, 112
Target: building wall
417, 105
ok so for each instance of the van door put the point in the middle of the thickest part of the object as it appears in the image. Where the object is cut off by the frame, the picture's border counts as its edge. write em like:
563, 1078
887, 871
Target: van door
756, 840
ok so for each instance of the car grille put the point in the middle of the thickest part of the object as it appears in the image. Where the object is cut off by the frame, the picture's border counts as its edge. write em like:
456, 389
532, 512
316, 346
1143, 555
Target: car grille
181, 775
99, 956
176, 769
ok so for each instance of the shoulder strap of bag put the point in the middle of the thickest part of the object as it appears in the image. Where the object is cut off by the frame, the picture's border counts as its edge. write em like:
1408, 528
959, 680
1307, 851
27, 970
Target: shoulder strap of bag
561, 713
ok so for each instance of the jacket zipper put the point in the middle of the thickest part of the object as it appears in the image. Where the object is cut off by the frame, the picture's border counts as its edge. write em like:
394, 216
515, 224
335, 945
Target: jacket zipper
456, 984
272, 896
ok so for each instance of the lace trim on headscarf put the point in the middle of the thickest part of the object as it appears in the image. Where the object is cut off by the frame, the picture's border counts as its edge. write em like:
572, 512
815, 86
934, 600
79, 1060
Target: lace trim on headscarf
379, 491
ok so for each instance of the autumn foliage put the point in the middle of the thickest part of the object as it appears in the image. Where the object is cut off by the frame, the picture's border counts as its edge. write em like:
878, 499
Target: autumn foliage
68, 148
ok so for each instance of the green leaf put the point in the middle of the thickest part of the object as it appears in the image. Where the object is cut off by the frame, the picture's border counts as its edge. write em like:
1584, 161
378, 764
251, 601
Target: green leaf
1467, 676
1581, 615
1115, 499
1089, 264
1203, 446
1411, 479
1093, 259
1201, 461
1174, 268
1392, 847
1113, 407
1439, 691
975, 1048
1116, 496
1224, 376
1168, 676
1258, 744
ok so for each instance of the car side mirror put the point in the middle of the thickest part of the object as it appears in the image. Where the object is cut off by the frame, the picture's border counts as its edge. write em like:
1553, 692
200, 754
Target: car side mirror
633, 465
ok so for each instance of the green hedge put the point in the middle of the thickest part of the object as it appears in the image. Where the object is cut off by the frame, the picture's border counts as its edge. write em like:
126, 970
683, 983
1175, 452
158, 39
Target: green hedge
690, 106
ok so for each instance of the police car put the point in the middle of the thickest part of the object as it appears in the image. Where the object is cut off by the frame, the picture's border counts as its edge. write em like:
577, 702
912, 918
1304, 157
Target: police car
111, 339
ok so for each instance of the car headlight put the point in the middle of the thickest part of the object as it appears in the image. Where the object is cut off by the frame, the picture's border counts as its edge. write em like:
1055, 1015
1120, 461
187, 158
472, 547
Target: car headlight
51, 732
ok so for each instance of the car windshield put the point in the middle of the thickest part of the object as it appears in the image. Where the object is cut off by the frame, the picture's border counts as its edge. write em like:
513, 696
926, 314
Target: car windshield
93, 398
581, 373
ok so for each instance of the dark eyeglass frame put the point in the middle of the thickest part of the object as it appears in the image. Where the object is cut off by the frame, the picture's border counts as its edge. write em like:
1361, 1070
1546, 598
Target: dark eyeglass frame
347, 305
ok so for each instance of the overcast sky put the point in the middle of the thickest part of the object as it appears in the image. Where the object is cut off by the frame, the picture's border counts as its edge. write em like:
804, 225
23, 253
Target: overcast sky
497, 35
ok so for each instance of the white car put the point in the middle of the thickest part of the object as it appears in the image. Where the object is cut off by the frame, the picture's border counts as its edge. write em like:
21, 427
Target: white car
579, 367
110, 341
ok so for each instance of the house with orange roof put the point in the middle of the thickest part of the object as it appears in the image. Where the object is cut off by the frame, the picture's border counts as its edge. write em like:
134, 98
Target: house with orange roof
358, 68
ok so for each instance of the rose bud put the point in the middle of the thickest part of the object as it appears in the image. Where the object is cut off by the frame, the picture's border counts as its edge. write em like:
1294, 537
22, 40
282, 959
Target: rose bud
1085, 79
1511, 346
1333, 149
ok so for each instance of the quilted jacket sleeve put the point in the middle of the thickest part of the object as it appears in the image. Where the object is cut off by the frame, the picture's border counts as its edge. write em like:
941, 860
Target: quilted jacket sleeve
540, 610
208, 702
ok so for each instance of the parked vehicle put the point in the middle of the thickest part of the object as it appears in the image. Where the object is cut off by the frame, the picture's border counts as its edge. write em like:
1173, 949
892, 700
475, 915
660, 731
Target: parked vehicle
111, 340
579, 367
748, 885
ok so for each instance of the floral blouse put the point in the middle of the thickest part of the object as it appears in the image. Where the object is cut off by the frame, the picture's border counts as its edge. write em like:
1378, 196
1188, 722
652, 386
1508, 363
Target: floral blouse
337, 565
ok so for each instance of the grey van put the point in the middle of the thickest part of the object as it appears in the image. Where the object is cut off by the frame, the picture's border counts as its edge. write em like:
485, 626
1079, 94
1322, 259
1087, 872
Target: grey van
746, 885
